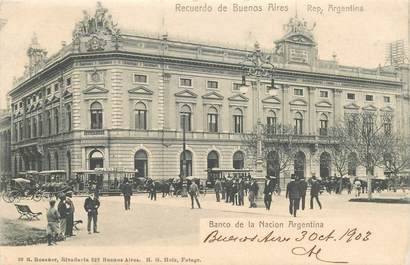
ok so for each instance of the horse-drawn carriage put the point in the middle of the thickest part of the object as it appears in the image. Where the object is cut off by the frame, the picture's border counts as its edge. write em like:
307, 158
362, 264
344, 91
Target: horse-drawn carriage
22, 188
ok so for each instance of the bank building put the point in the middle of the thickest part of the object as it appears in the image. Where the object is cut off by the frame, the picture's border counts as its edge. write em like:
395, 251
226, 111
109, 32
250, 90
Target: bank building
116, 100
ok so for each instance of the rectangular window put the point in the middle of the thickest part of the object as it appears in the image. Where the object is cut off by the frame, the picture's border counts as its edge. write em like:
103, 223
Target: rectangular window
48, 92
369, 97
323, 127
96, 119
271, 122
28, 127
298, 92
185, 82
140, 78
56, 87
186, 122
213, 122
324, 94
236, 86
68, 81
298, 126
20, 104
238, 123
212, 84
34, 127
387, 99
351, 96
141, 120
40, 125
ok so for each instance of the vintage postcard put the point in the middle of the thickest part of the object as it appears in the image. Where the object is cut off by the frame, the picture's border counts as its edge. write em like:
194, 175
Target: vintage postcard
204, 132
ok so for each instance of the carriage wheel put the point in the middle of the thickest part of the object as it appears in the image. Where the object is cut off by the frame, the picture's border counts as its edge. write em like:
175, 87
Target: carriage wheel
15, 196
6, 197
37, 196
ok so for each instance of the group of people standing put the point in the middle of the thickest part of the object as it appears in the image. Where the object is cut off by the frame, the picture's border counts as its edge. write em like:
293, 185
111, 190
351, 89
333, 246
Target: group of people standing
60, 218
296, 192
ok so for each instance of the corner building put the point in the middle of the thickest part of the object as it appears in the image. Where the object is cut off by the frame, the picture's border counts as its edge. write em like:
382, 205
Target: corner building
118, 100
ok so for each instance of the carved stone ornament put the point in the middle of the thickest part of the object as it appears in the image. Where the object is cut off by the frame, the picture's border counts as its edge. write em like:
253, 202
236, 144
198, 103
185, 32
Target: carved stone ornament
101, 22
96, 44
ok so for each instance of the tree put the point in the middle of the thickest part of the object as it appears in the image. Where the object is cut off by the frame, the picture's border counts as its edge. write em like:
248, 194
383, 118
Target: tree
369, 136
397, 157
279, 145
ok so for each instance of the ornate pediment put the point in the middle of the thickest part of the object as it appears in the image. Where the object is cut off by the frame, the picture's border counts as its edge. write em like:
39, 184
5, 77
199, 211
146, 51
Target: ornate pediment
238, 97
370, 108
141, 91
324, 104
352, 106
298, 102
387, 109
271, 100
95, 90
213, 95
186, 94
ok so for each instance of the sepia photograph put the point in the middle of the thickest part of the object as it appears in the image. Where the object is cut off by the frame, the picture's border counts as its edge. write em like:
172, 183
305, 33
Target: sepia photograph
204, 132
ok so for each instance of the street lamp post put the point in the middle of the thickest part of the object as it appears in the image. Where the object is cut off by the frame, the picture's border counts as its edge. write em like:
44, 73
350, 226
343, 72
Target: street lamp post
258, 65
184, 191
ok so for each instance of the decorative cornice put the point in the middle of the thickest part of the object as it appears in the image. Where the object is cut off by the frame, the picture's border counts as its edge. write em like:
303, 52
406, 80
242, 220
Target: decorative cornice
213, 96
238, 97
95, 90
186, 94
141, 90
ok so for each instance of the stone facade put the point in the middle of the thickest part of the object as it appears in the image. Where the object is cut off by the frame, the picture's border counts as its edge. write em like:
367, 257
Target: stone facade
115, 100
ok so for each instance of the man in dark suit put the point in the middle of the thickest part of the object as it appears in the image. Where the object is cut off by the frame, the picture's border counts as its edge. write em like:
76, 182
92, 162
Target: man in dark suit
293, 193
314, 192
303, 188
218, 189
268, 192
91, 206
126, 190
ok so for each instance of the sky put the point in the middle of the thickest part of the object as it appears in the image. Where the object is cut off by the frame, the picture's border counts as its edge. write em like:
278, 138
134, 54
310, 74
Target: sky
357, 38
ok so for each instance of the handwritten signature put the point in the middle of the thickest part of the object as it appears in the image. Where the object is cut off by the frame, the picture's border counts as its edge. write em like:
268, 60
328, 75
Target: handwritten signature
301, 251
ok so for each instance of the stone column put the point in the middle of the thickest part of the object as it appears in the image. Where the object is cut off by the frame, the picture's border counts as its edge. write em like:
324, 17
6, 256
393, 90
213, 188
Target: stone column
311, 119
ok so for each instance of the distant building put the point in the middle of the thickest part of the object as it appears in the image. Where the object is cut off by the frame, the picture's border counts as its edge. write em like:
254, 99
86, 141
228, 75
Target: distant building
5, 144
117, 100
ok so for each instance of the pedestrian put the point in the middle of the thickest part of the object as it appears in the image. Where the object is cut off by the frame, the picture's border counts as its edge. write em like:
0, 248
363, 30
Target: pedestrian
53, 219
357, 186
194, 192
303, 188
293, 193
223, 191
234, 191
126, 190
115, 183
63, 211
91, 206
267, 198
228, 184
154, 187
218, 189
253, 193
241, 192
314, 192
70, 214
171, 189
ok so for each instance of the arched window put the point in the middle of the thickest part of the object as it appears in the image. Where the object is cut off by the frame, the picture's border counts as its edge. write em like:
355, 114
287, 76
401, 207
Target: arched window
323, 124
96, 112
56, 161
298, 126
96, 160
48, 161
352, 164
141, 163
271, 121
69, 164
68, 117
34, 127
325, 165
40, 125
212, 119
238, 160
140, 116
185, 118
185, 170
299, 164
238, 120
213, 159
56, 120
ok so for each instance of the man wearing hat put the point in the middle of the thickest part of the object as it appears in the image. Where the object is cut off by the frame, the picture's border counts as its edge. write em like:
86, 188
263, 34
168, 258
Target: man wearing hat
268, 192
314, 192
303, 188
63, 211
91, 206
52, 223
126, 190
70, 214
293, 192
